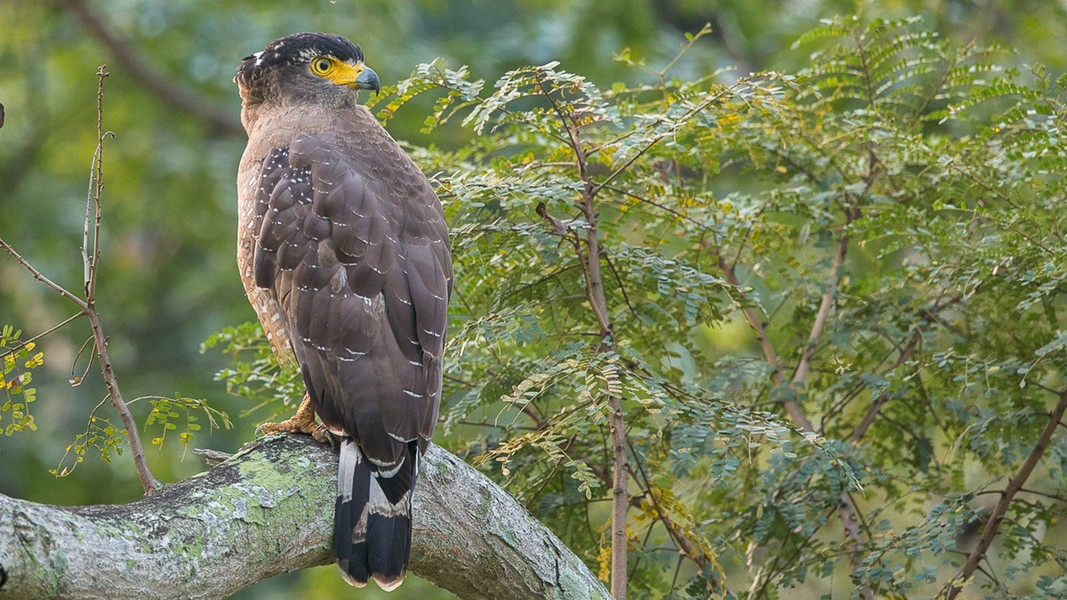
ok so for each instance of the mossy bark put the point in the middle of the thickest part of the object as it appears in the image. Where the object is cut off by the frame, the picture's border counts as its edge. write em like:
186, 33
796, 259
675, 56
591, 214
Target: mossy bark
268, 510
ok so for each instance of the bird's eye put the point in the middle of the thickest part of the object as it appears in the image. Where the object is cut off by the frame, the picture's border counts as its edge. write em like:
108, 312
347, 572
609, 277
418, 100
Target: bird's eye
321, 65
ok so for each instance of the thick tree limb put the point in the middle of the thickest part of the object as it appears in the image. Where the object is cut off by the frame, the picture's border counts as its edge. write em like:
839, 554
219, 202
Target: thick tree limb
268, 510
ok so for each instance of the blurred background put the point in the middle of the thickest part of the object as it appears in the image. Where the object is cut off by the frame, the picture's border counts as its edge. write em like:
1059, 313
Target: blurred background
168, 276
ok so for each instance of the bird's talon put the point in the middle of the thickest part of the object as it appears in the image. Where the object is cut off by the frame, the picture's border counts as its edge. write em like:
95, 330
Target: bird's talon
315, 430
319, 434
302, 422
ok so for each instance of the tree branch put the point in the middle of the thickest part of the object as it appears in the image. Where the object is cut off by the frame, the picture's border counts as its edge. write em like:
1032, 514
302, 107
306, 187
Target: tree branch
847, 510
928, 318
752, 317
148, 75
800, 375
76, 301
91, 262
268, 510
594, 292
992, 526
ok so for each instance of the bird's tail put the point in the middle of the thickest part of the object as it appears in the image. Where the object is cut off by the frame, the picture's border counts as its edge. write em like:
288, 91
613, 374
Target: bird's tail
372, 531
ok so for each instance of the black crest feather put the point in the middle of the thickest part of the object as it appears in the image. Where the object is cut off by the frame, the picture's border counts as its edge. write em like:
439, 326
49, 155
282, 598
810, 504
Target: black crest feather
297, 49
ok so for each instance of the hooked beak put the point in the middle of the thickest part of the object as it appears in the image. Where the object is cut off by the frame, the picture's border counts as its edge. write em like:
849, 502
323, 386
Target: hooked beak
368, 80
355, 74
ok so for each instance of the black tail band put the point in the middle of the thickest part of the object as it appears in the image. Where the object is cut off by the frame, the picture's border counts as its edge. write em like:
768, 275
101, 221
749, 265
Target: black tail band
372, 531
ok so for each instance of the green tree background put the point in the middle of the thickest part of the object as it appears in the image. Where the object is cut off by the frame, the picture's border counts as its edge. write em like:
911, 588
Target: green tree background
169, 279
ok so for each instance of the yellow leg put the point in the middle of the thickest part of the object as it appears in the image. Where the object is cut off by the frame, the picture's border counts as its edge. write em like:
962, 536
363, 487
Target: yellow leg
302, 422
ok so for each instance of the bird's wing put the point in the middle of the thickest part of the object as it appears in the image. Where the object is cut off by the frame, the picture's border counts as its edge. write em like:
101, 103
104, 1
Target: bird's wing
352, 243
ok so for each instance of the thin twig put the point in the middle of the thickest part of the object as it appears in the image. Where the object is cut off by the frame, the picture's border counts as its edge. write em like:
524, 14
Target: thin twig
148, 481
91, 266
76, 380
657, 205
19, 344
40, 277
712, 98
622, 286
680, 540
87, 261
84, 436
928, 318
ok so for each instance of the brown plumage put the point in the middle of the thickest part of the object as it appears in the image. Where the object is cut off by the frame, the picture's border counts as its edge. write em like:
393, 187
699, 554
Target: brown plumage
343, 251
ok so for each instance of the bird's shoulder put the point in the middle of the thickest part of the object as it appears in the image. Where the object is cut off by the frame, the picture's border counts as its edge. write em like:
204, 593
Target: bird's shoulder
351, 138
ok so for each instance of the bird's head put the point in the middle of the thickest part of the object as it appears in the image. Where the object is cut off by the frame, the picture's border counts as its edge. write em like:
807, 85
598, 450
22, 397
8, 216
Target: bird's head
303, 68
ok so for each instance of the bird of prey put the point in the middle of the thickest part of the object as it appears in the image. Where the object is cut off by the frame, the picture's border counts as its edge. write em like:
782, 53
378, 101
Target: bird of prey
343, 251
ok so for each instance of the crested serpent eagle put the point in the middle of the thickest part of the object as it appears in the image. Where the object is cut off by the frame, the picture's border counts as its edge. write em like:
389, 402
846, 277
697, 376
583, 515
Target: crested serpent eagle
343, 251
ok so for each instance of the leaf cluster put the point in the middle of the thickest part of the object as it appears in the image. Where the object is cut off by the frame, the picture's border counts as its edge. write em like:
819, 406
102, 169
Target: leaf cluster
16, 375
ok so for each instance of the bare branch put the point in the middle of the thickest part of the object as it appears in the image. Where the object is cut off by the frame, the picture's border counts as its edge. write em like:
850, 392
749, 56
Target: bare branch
88, 305
133, 438
40, 277
96, 188
19, 344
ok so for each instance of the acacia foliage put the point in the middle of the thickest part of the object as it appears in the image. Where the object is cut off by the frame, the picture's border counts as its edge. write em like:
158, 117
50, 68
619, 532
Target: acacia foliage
844, 284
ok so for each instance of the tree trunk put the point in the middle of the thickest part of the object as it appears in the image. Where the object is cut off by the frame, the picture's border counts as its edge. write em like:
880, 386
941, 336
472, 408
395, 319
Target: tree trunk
268, 510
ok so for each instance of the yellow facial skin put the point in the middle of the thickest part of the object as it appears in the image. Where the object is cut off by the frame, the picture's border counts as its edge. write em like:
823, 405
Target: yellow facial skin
338, 72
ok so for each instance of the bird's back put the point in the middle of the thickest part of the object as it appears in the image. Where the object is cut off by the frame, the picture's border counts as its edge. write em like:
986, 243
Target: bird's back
343, 251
